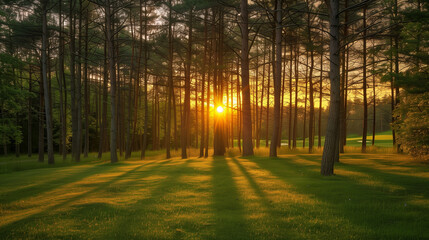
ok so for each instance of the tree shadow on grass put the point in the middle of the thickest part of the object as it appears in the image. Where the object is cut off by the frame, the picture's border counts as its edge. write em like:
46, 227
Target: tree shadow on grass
159, 202
380, 213
33, 190
229, 213
5, 230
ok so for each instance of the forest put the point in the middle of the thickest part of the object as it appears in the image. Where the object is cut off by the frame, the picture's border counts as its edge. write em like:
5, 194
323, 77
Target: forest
240, 85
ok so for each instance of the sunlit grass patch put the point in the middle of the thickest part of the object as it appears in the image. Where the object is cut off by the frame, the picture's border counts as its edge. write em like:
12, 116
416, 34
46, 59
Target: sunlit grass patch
372, 196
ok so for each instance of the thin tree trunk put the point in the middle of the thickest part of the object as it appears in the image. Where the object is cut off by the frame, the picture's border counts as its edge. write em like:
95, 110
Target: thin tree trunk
290, 98
146, 108
295, 117
110, 51
128, 143
203, 130
310, 80
30, 116
103, 129
245, 87
61, 80
277, 79
374, 100
187, 108
86, 85
319, 140
170, 83
49, 125
364, 87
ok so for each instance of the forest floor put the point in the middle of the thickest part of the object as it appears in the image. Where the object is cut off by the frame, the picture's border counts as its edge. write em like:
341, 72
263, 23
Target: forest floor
372, 196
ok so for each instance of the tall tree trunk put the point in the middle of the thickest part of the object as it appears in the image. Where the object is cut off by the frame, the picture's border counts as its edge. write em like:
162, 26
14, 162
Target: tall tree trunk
48, 112
187, 108
364, 87
128, 141
146, 108
295, 116
203, 122
110, 51
245, 87
61, 80
304, 127
330, 150
170, 83
277, 79
319, 140
267, 117
374, 100
86, 85
79, 86
103, 129
343, 83
30, 116
290, 98
74, 105
41, 140
310, 81
240, 116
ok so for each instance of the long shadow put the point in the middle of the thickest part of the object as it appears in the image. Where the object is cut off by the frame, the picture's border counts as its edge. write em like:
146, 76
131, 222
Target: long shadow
33, 190
149, 206
4, 229
336, 191
229, 212
265, 201
408, 182
271, 209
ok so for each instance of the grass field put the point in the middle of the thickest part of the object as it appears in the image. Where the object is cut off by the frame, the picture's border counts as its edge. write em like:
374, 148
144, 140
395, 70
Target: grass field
372, 196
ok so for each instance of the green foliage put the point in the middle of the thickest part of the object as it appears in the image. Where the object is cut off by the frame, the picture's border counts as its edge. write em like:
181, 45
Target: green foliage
12, 98
412, 124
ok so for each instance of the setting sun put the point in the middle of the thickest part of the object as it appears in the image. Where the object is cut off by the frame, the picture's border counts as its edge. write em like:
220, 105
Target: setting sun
219, 109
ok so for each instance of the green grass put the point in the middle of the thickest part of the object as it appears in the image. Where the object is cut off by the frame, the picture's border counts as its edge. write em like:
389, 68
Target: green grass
372, 196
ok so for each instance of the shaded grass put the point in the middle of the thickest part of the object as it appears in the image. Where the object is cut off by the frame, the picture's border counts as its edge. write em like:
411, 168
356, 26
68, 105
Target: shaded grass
372, 196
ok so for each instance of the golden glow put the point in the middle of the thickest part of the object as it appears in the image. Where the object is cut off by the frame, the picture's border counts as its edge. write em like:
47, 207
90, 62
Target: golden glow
219, 109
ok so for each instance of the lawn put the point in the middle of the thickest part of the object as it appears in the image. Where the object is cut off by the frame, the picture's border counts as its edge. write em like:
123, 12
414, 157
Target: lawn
372, 196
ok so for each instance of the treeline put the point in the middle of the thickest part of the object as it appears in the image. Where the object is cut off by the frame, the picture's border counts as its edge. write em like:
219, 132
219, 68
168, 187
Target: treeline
80, 76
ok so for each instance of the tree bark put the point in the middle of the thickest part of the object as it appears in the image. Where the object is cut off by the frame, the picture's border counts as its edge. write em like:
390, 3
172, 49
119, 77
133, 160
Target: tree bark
245, 87
277, 79
330, 150
49, 125
110, 51
364, 87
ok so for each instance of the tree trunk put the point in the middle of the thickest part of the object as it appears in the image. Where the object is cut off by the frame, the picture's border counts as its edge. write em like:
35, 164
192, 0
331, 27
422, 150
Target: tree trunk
103, 129
30, 116
61, 80
310, 81
277, 79
170, 83
203, 122
319, 140
290, 98
187, 108
295, 117
146, 108
364, 87
86, 84
245, 87
330, 150
110, 51
49, 125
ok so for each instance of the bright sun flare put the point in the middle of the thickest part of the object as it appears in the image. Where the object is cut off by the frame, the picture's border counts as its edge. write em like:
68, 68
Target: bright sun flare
219, 109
